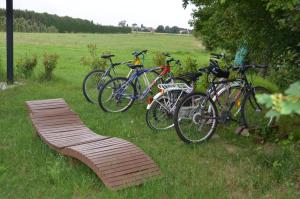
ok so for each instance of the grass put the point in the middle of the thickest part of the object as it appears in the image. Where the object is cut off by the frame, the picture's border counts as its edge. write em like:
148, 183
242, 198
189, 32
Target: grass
228, 166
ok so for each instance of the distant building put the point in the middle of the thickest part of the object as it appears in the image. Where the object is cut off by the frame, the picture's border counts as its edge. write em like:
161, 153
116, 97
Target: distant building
185, 32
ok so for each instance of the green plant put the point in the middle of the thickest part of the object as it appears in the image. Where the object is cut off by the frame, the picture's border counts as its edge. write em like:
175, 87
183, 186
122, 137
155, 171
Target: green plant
288, 66
93, 60
282, 161
26, 66
283, 104
159, 59
227, 25
191, 65
50, 62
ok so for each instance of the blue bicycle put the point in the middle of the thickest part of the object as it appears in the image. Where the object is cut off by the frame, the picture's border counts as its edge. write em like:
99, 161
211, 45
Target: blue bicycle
119, 94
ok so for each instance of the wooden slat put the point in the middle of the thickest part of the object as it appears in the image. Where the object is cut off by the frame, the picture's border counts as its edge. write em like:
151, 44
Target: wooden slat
118, 163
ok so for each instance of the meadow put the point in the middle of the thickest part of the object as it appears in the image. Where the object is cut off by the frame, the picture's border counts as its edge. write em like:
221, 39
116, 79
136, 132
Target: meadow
228, 166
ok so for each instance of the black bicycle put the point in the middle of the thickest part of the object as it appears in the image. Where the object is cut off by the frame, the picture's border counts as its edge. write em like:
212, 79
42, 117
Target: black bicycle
94, 81
198, 114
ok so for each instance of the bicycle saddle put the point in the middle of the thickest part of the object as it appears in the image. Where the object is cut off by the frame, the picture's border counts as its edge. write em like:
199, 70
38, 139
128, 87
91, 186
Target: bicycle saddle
132, 66
107, 56
217, 71
192, 76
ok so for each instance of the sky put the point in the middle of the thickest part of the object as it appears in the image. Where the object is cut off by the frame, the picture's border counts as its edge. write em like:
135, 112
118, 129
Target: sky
150, 13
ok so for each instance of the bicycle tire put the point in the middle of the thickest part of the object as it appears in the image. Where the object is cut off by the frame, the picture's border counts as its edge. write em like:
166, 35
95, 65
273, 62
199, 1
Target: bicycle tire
170, 99
152, 112
214, 120
85, 91
101, 93
248, 97
223, 98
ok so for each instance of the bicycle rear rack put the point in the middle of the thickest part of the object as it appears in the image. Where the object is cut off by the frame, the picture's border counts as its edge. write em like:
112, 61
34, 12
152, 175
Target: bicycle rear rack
175, 86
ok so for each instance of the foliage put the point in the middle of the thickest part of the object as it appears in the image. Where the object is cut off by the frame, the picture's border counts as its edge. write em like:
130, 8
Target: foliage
29, 21
172, 30
287, 69
23, 25
26, 66
270, 28
50, 62
191, 65
280, 104
159, 59
93, 61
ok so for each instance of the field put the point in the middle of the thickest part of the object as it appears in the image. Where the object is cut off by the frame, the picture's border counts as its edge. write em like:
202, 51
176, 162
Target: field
228, 166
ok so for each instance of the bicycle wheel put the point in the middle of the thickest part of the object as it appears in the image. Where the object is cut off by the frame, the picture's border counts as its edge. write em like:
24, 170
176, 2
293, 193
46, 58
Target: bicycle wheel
228, 102
158, 117
117, 95
160, 114
253, 113
195, 118
92, 84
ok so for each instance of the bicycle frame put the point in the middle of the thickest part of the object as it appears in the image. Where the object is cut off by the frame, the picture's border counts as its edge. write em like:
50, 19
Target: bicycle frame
135, 77
165, 89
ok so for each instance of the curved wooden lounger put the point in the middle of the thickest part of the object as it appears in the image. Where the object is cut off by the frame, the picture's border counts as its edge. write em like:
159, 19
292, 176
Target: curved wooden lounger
117, 162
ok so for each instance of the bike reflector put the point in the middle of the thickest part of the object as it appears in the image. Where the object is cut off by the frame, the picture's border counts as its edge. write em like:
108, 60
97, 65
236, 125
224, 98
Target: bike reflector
149, 100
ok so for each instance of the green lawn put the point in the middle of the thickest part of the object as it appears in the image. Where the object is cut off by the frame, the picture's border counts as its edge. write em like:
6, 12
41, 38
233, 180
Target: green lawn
228, 166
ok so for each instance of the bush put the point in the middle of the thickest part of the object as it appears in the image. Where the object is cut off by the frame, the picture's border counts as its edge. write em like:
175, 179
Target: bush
50, 62
287, 69
191, 65
159, 59
26, 66
93, 60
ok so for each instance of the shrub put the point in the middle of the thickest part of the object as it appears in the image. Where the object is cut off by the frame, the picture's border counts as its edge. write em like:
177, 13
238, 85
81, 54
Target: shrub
50, 62
191, 65
287, 69
283, 104
93, 60
26, 66
159, 59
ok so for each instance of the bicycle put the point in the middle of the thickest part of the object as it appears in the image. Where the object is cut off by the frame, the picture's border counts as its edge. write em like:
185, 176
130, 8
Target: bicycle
121, 92
93, 81
160, 111
196, 116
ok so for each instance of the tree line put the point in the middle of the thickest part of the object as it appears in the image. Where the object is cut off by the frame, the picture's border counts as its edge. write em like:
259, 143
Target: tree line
23, 25
30, 21
172, 30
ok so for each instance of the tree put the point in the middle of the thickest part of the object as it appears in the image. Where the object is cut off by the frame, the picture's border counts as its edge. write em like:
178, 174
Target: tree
269, 28
174, 30
122, 23
29, 21
160, 29
167, 29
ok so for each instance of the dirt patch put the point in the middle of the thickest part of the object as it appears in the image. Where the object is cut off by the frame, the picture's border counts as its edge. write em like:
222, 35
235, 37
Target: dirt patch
231, 149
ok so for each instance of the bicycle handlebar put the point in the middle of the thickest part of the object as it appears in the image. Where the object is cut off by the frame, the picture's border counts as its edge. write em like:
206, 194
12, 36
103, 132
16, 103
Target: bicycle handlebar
136, 54
177, 61
244, 68
218, 56
166, 54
